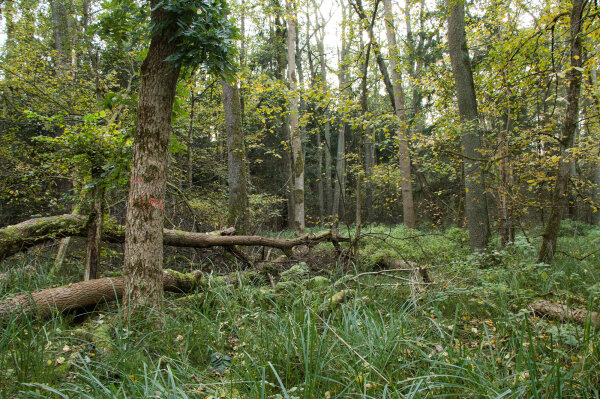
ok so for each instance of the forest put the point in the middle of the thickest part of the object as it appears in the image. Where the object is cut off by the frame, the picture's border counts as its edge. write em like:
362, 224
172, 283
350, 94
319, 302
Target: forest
299, 199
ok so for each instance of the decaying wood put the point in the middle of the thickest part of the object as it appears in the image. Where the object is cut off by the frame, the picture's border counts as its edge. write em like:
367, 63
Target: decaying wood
25, 235
564, 313
86, 293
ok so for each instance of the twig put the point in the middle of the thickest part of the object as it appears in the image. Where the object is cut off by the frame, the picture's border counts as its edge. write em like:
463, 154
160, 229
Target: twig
381, 272
351, 348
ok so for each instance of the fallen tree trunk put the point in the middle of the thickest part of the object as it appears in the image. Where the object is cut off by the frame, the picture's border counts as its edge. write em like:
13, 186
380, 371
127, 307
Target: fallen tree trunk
564, 313
86, 293
25, 235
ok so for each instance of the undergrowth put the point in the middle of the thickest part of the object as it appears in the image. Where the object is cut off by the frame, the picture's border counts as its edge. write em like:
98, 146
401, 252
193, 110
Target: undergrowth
468, 334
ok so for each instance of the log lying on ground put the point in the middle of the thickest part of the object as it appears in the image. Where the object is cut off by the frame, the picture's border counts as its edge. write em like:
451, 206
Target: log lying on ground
564, 313
87, 293
25, 235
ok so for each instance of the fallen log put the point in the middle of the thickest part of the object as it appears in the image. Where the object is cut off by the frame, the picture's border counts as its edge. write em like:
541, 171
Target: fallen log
564, 313
27, 234
87, 293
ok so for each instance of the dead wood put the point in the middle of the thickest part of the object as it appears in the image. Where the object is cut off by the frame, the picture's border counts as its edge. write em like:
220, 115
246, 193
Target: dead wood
86, 293
25, 235
564, 313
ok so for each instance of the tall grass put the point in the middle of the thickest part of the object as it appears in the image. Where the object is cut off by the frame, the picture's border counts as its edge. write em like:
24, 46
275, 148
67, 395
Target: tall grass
470, 334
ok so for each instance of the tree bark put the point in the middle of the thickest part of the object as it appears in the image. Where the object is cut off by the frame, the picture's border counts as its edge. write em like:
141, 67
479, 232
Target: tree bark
281, 60
340, 167
297, 157
595, 219
564, 313
94, 234
86, 293
567, 137
475, 197
145, 206
358, 7
408, 208
190, 139
61, 34
236, 158
33, 232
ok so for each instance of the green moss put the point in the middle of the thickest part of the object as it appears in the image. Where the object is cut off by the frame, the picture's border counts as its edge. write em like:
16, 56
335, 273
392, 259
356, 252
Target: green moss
318, 282
297, 273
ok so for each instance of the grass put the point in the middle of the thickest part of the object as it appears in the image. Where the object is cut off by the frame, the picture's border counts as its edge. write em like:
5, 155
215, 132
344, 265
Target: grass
470, 334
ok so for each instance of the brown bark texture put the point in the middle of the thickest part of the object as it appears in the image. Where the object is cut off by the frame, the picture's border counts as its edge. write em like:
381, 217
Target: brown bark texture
20, 237
475, 197
565, 313
145, 205
567, 137
86, 293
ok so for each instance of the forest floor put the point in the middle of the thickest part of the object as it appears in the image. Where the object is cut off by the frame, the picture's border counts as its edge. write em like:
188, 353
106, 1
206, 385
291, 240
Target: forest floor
354, 331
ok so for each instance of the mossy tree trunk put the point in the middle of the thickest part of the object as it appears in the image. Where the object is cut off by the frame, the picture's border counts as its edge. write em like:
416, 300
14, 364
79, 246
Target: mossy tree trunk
236, 158
94, 230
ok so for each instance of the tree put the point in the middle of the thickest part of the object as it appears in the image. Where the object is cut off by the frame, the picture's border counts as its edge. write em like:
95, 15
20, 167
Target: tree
567, 134
296, 139
182, 34
236, 157
403, 150
475, 197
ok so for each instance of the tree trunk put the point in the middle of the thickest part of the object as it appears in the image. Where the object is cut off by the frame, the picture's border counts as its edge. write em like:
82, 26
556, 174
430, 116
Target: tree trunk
475, 197
340, 167
190, 139
61, 34
236, 158
327, 127
595, 220
145, 205
567, 136
63, 247
281, 60
86, 293
94, 234
297, 157
408, 208
565, 313
33, 232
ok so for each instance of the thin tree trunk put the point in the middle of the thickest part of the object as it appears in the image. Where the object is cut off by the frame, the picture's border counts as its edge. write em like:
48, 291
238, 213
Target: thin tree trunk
281, 60
408, 208
94, 233
190, 139
236, 158
358, 7
595, 219
567, 136
475, 197
327, 126
340, 168
297, 157
145, 206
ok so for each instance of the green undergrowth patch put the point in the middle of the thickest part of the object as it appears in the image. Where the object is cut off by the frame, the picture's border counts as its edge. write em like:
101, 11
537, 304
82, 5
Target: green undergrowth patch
470, 333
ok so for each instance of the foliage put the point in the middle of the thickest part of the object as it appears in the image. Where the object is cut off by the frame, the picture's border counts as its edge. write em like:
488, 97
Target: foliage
469, 333
204, 33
